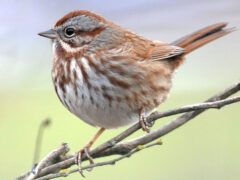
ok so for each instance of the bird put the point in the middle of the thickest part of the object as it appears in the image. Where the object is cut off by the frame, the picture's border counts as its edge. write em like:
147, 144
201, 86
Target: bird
109, 76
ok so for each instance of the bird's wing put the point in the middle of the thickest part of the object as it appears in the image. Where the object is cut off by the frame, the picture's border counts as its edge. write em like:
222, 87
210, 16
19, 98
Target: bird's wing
164, 51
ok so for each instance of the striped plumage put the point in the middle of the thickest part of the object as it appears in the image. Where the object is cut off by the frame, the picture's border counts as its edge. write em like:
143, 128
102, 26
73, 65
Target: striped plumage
107, 93
106, 75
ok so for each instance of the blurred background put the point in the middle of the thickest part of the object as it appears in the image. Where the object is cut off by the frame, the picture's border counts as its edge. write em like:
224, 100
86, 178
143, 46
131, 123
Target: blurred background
206, 148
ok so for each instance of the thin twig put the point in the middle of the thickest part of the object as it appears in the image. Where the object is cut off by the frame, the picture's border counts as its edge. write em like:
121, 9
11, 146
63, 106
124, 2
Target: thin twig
39, 138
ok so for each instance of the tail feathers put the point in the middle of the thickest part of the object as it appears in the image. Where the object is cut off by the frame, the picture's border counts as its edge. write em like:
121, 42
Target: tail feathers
203, 36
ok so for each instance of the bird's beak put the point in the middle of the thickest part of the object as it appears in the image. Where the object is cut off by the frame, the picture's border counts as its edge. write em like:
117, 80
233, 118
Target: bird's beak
51, 34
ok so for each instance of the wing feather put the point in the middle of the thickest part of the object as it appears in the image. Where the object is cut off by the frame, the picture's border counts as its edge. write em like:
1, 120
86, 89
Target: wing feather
165, 51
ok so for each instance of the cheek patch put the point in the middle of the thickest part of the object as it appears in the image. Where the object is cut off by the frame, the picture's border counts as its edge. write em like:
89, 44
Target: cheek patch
70, 49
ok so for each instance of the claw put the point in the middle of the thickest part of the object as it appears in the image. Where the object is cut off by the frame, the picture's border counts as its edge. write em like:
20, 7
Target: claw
143, 122
144, 125
79, 157
79, 161
85, 151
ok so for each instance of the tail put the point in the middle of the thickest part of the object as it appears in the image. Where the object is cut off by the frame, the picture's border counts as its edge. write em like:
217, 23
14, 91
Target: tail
203, 36
200, 38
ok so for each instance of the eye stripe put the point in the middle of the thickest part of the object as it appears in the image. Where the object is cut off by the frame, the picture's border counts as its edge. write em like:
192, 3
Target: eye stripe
93, 32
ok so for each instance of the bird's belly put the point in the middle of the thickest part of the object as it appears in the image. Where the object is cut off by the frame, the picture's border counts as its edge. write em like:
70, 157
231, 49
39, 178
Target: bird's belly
106, 117
95, 109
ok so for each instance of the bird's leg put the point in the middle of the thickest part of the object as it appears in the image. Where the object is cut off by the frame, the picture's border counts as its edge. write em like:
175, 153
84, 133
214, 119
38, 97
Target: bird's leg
86, 150
142, 121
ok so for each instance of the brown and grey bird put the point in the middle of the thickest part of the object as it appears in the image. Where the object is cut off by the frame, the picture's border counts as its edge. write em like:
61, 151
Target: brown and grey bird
110, 77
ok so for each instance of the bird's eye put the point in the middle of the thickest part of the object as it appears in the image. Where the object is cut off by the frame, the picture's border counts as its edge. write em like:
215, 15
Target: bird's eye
69, 32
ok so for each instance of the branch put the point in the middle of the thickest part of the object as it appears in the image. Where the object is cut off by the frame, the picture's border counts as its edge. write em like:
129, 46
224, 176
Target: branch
53, 157
113, 146
110, 162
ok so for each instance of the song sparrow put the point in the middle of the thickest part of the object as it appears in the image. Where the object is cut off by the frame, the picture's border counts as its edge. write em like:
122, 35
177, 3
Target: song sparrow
109, 76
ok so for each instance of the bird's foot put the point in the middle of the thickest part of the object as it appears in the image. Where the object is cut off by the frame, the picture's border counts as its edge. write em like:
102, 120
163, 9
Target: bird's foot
79, 158
143, 122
